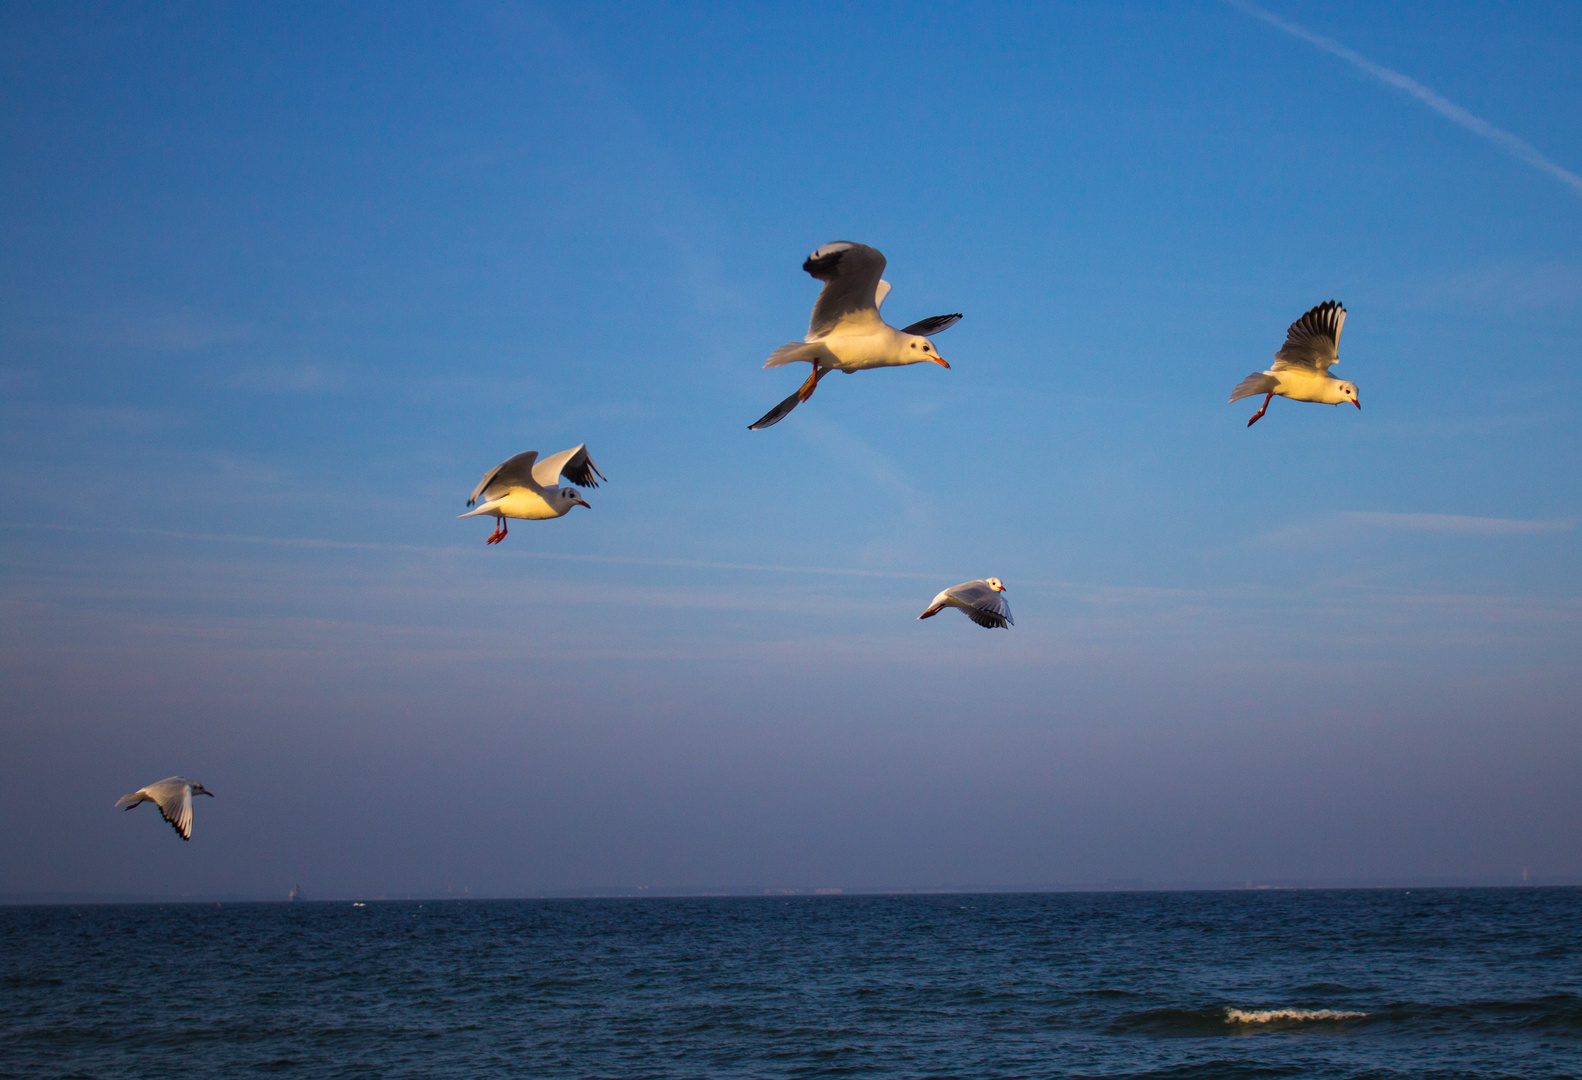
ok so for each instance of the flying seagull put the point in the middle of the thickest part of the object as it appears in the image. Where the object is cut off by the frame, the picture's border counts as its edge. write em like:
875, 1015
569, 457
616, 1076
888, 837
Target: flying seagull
846, 332
983, 601
1301, 367
173, 796
517, 488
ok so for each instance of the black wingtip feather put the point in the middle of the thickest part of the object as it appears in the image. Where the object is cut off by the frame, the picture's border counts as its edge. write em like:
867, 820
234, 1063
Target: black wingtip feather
1322, 319
935, 324
825, 266
778, 413
582, 473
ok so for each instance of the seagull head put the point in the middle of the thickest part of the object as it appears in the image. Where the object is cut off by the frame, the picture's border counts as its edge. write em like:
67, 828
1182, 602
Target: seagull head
1348, 392
199, 789
569, 497
996, 584
917, 349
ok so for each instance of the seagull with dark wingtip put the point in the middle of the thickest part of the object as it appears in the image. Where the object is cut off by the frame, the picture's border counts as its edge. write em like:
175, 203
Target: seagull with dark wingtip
519, 488
173, 795
846, 332
1301, 367
982, 600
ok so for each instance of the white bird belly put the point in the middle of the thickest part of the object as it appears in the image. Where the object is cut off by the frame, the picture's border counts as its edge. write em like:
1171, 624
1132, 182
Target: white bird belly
521, 503
1309, 386
856, 352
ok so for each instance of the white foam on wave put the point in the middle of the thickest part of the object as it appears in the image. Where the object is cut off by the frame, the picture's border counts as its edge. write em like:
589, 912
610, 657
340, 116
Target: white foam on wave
1270, 1016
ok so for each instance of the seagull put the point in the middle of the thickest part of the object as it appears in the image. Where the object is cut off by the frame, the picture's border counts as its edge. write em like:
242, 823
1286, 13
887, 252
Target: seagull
173, 795
983, 601
517, 488
846, 332
1301, 367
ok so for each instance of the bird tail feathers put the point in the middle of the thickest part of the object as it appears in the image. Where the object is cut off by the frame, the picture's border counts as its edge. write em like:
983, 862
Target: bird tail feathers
1259, 382
486, 508
934, 609
132, 799
812, 352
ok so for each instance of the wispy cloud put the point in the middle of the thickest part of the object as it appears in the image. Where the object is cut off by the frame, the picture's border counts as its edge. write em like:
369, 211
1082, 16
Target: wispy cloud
303, 378
1454, 523
74, 418
153, 327
1352, 522
1517, 147
311, 543
1512, 287
857, 454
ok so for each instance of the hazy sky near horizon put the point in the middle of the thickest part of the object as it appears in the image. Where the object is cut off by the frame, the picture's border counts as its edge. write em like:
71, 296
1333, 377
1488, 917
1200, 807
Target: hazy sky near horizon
281, 282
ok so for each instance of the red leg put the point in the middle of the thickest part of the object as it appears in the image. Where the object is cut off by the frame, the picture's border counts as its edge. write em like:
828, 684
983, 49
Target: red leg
1259, 414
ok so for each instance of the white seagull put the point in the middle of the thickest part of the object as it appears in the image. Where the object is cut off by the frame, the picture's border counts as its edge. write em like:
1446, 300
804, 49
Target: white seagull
846, 332
1301, 367
173, 795
517, 488
982, 600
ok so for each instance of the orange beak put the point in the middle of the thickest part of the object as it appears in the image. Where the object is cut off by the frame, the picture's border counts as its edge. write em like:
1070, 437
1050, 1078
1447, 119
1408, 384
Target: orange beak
579, 502
940, 360
1358, 403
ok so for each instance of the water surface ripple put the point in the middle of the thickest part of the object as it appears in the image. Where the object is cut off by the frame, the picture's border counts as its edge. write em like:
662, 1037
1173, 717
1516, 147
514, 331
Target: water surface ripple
1347, 983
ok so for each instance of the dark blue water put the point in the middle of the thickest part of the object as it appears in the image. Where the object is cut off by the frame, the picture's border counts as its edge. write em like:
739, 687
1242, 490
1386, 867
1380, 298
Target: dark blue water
1435, 983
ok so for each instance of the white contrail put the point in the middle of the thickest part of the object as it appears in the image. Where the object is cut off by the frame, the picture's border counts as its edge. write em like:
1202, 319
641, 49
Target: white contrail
1456, 523
1513, 145
345, 545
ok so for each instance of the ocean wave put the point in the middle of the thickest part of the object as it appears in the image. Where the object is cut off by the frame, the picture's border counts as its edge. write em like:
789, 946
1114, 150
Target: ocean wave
1225, 1021
1277, 1016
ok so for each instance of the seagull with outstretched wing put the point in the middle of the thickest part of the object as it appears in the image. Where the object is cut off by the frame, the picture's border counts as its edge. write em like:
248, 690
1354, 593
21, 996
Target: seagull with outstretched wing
173, 795
1301, 367
523, 487
983, 601
846, 332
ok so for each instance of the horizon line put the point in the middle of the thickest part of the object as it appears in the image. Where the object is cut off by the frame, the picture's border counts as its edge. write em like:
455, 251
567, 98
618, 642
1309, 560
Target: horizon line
55, 898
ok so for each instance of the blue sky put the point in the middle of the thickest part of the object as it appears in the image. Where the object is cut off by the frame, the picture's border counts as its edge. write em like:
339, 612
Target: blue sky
281, 284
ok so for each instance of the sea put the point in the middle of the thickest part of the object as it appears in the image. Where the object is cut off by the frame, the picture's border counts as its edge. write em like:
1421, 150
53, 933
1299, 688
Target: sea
1422, 983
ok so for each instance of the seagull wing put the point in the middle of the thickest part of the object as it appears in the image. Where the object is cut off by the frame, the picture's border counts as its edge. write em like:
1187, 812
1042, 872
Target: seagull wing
574, 464
851, 275
932, 325
1313, 342
779, 412
513, 472
985, 606
173, 796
